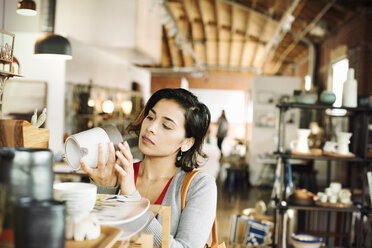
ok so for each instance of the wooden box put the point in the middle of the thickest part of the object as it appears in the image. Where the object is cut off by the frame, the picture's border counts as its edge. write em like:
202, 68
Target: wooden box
20, 133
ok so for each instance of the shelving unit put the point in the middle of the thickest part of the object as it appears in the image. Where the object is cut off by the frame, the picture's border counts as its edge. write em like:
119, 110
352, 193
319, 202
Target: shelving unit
6, 61
80, 116
358, 124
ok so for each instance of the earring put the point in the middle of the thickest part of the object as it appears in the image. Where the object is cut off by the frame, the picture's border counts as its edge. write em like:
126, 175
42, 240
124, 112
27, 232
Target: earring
179, 156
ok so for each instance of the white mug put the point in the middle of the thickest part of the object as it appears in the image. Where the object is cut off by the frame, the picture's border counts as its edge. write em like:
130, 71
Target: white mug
301, 143
86, 144
340, 148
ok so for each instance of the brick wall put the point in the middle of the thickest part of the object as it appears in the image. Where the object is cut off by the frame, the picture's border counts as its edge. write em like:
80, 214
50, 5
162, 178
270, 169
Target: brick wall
356, 35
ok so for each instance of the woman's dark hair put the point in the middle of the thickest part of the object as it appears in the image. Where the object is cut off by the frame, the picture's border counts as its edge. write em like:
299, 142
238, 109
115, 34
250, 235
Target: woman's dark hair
197, 120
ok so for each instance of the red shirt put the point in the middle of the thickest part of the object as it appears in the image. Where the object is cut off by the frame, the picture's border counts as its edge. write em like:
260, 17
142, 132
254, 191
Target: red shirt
161, 196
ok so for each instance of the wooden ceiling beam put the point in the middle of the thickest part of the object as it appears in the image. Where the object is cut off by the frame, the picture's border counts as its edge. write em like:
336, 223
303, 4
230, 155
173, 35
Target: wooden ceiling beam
223, 16
238, 34
208, 16
248, 9
303, 33
197, 28
279, 33
179, 14
196, 3
165, 57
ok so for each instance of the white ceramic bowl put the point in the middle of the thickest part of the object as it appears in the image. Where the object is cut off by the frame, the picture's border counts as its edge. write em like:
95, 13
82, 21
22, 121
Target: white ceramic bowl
79, 197
302, 240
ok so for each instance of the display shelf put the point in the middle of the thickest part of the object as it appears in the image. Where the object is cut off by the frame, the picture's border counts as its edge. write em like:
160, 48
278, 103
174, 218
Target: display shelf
325, 157
321, 107
359, 117
318, 208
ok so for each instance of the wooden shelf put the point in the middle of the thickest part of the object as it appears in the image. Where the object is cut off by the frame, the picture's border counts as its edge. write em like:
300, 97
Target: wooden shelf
8, 74
326, 209
321, 107
325, 157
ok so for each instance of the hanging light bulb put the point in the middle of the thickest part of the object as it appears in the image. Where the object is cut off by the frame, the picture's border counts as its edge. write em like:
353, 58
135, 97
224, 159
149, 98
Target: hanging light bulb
107, 106
127, 106
26, 8
91, 102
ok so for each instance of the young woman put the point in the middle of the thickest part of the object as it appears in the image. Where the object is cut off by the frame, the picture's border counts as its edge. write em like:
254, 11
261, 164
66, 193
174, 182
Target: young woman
171, 130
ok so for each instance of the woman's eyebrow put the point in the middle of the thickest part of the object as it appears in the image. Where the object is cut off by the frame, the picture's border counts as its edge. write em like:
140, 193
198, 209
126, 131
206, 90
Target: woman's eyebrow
169, 119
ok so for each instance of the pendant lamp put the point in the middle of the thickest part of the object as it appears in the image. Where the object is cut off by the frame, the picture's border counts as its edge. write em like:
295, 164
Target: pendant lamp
26, 8
51, 45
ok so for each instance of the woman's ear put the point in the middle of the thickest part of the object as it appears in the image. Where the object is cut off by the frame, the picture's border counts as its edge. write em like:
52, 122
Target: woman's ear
187, 144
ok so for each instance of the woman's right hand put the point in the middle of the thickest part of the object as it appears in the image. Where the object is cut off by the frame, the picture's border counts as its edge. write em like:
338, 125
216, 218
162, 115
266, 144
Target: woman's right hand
104, 174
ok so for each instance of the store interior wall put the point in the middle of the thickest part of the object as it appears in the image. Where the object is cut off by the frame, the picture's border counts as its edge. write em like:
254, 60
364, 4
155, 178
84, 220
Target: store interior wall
101, 67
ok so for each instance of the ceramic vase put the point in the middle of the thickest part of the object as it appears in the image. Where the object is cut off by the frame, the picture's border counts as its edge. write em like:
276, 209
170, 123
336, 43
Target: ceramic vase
350, 90
327, 97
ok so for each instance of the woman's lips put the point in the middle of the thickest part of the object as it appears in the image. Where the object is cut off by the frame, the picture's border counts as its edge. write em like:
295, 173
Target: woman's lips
147, 140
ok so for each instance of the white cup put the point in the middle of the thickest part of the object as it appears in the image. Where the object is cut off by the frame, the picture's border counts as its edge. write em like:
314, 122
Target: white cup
333, 199
335, 187
335, 147
301, 143
344, 195
342, 148
86, 144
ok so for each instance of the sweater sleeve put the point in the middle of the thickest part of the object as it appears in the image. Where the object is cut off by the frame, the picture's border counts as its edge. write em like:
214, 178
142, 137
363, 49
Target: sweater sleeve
105, 189
197, 217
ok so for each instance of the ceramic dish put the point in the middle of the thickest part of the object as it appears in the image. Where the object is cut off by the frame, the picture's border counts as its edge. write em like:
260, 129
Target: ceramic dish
115, 212
132, 228
302, 240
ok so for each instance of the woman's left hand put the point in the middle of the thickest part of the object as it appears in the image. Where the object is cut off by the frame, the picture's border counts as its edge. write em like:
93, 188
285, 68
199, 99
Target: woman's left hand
104, 174
125, 174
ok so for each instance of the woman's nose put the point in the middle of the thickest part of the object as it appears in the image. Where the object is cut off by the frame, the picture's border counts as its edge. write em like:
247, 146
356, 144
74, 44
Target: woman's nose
152, 127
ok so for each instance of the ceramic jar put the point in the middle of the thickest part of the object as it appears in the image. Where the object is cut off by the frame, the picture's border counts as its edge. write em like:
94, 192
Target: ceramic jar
327, 97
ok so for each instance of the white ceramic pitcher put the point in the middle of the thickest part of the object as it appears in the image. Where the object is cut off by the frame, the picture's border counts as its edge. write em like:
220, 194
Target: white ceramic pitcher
301, 143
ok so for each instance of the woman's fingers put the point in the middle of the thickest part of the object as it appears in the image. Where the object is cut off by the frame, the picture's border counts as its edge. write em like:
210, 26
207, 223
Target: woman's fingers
120, 170
85, 167
111, 158
101, 157
125, 149
123, 160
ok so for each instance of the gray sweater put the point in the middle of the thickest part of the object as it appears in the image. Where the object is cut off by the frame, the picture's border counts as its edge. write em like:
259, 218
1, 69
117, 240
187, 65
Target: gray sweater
192, 227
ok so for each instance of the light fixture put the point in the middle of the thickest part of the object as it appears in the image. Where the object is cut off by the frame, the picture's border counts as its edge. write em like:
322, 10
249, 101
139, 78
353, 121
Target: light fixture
107, 106
127, 106
91, 102
53, 46
50, 45
26, 8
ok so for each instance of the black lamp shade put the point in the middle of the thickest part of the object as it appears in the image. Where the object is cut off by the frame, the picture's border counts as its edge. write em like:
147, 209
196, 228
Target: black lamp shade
52, 44
26, 7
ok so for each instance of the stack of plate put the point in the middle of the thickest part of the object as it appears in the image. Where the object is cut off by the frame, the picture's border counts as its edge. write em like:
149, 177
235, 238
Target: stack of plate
119, 211
79, 197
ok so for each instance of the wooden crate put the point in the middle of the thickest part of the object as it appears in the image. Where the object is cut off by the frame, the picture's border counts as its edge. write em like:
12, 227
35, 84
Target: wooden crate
20, 133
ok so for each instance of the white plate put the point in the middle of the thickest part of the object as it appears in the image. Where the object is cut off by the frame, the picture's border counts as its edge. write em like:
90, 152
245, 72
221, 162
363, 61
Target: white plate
132, 228
115, 212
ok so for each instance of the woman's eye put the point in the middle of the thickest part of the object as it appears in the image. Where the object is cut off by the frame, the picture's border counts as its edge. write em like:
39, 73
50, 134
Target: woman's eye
150, 117
166, 127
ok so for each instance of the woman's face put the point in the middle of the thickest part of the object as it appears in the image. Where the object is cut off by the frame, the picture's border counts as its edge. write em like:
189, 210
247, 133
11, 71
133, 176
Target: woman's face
162, 131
